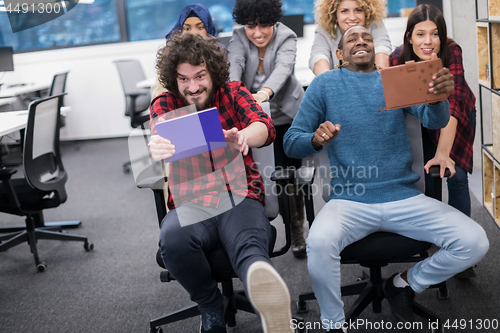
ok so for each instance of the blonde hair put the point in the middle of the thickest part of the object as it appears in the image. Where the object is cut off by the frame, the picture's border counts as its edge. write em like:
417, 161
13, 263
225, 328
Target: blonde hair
326, 13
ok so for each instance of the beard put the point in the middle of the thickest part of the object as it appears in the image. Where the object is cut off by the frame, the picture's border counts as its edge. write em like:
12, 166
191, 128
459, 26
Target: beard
200, 104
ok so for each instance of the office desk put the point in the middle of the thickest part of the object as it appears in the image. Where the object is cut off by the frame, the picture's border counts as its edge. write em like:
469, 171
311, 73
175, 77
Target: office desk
13, 96
6, 91
13, 121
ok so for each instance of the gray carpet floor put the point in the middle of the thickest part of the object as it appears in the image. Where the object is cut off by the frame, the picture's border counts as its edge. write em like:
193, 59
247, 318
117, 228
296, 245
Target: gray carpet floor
116, 287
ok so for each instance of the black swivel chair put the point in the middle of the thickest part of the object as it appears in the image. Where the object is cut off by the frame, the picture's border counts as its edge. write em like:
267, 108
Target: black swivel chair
44, 184
59, 87
378, 249
222, 270
137, 100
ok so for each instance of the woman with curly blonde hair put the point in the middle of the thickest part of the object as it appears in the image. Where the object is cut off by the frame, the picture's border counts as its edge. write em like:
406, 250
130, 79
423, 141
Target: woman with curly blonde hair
334, 17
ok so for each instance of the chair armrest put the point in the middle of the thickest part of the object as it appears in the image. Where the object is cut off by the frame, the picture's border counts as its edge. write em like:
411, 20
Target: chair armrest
154, 183
305, 175
283, 175
435, 169
6, 173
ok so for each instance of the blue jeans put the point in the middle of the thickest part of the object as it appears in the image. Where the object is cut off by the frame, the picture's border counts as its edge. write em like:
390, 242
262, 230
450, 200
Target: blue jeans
243, 231
458, 191
341, 222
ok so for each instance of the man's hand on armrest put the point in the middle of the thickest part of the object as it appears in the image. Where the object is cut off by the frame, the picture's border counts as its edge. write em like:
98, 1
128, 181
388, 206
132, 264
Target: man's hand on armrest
160, 148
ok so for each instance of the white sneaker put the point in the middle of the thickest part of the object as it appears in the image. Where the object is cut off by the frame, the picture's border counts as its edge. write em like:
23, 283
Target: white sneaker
270, 297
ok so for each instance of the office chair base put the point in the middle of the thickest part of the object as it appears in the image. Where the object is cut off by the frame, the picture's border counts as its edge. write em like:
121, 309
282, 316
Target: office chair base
370, 292
32, 236
59, 225
238, 301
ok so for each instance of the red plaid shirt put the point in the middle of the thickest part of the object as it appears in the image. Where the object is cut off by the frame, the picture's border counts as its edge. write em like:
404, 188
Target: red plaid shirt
205, 177
462, 104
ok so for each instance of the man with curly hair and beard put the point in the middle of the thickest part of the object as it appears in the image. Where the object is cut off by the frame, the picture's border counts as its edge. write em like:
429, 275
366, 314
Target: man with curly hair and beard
195, 70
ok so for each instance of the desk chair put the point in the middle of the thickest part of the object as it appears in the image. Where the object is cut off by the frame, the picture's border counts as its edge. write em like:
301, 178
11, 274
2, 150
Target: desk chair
44, 183
381, 248
57, 87
222, 270
136, 99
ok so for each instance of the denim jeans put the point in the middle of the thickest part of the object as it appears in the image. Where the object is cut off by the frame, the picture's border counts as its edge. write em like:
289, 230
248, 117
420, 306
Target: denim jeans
458, 191
243, 231
462, 243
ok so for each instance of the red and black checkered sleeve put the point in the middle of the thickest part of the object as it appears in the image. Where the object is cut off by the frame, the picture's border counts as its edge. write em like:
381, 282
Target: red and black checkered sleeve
161, 105
393, 57
249, 111
459, 93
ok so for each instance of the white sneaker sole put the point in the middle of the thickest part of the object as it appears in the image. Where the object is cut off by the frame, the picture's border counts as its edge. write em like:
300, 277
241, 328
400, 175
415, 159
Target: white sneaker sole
270, 296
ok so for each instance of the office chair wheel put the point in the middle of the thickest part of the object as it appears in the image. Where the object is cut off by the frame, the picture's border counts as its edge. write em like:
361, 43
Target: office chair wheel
41, 266
301, 307
88, 246
156, 330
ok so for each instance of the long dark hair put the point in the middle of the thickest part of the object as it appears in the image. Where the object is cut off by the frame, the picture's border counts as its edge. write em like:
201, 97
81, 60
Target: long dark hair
423, 13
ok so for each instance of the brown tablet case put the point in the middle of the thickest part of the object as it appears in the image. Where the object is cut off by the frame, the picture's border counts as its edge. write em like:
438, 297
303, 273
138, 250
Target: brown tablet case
408, 84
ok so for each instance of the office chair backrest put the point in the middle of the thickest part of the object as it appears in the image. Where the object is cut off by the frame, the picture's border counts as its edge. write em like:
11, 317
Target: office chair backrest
131, 72
414, 130
58, 84
264, 158
42, 162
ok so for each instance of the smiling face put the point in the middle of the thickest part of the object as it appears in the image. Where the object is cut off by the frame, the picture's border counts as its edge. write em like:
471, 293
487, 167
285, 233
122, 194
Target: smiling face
425, 39
349, 14
259, 34
195, 85
357, 50
194, 25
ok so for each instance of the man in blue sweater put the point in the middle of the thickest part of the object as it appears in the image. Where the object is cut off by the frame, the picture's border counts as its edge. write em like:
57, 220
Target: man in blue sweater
373, 188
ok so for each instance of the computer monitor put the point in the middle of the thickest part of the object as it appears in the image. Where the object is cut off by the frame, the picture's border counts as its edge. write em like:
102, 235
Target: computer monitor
6, 59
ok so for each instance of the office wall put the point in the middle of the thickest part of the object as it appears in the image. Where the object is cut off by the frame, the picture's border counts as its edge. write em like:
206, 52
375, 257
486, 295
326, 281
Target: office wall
460, 18
95, 93
93, 86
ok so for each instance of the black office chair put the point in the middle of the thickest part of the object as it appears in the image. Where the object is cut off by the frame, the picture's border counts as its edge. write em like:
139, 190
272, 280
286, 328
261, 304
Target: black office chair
59, 87
44, 184
137, 100
378, 249
222, 270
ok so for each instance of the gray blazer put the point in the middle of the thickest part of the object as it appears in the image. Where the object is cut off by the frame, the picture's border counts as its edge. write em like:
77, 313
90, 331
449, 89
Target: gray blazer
279, 63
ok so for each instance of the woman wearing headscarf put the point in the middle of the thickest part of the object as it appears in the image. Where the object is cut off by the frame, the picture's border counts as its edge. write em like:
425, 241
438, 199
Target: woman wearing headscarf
193, 19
